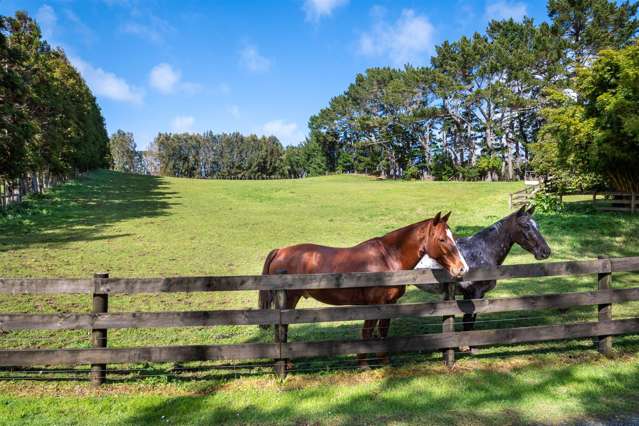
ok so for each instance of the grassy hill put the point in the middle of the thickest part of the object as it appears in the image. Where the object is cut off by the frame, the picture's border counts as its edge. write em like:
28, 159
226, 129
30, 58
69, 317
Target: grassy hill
148, 226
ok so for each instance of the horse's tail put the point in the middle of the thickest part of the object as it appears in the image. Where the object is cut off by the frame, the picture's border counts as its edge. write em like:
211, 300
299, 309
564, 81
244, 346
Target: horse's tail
265, 299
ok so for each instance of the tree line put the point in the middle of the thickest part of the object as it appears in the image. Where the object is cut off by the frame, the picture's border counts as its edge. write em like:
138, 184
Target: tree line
490, 106
50, 123
477, 109
206, 155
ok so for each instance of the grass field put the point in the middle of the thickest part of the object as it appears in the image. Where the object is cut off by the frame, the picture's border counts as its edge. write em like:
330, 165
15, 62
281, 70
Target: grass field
148, 226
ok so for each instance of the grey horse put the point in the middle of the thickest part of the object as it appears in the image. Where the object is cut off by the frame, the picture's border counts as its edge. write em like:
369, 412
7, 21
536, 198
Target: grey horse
488, 248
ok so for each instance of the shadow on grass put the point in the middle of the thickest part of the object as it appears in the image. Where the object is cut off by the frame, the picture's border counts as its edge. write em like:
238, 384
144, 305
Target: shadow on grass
584, 232
80, 210
486, 396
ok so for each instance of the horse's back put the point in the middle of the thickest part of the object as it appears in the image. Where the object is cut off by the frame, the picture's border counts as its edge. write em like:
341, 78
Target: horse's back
317, 259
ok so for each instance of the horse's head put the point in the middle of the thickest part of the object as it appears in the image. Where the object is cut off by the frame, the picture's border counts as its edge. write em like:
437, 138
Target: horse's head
440, 245
526, 233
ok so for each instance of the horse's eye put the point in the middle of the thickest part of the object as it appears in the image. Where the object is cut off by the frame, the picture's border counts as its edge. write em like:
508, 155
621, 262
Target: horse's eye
441, 240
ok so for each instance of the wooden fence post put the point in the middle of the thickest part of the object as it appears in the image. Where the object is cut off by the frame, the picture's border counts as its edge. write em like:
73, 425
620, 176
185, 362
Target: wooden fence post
510, 201
280, 333
604, 280
448, 325
99, 336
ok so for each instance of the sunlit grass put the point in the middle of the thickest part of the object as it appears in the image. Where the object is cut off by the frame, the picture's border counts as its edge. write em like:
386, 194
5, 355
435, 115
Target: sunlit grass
147, 226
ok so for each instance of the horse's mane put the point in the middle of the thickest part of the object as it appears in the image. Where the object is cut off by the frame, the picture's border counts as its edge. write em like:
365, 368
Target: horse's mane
397, 233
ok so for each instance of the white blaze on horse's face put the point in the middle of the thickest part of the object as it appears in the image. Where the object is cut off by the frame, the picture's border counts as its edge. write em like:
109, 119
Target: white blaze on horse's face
427, 262
461, 256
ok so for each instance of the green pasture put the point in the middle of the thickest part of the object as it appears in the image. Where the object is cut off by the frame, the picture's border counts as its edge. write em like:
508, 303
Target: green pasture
142, 226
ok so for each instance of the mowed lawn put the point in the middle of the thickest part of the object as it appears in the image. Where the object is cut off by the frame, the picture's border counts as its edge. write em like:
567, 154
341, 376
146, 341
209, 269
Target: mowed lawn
140, 226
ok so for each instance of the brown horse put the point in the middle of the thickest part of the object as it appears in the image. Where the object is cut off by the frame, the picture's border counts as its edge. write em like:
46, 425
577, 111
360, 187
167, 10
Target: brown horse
398, 250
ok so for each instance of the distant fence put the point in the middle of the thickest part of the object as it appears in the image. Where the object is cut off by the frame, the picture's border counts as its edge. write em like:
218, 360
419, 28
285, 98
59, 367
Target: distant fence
100, 320
14, 191
610, 201
252, 177
522, 197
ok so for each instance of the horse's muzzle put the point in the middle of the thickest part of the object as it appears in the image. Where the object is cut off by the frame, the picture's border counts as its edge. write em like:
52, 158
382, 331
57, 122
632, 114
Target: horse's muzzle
543, 253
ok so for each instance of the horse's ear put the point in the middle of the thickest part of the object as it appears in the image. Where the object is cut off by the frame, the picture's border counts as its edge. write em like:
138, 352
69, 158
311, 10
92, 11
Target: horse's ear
521, 211
531, 210
445, 218
437, 218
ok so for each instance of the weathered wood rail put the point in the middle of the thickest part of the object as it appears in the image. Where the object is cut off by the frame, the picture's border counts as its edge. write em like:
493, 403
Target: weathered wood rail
610, 201
100, 320
523, 196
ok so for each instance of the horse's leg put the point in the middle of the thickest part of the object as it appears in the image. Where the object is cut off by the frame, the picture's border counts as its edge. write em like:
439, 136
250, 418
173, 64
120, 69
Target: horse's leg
292, 299
390, 297
469, 319
383, 326
367, 334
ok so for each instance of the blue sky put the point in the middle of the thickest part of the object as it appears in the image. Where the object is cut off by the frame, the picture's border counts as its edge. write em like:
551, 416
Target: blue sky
253, 66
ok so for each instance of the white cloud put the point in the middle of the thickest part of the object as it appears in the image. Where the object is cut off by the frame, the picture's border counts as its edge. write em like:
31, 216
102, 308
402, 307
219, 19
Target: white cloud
504, 9
80, 27
167, 80
287, 132
154, 29
234, 110
107, 84
407, 40
182, 123
252, 60
316, 9
47, 19
164, 78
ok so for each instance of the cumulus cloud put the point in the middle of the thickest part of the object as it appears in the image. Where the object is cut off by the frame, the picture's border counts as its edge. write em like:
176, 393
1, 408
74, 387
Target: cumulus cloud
167, 80
107, 84
316, 9
164, 78
47, 19
504, 9
407, 40
252, 60
287, 132
182, 123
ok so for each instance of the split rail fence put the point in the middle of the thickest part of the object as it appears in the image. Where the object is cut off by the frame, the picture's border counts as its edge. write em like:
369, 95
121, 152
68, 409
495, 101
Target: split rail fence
101, 320
611, 201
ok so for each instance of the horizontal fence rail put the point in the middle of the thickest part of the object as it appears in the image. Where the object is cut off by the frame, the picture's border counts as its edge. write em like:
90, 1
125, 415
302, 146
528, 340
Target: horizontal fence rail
311, 315
100, 320
613, 201
426, 342
426, 277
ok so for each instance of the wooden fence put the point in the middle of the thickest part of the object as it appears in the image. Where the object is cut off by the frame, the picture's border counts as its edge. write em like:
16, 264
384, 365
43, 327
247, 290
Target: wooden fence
610, 201
100, 320
14, 191
522, 197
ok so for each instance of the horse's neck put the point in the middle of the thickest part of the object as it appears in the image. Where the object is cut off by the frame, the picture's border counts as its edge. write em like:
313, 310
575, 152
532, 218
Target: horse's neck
403, 245
498, 238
